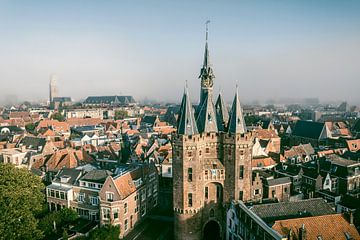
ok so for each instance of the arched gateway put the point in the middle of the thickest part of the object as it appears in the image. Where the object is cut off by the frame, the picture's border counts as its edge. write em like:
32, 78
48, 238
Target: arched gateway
211, 231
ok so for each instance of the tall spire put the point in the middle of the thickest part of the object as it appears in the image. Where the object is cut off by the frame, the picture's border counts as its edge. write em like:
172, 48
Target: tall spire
222, 114
206, 72
186, 121
236, 121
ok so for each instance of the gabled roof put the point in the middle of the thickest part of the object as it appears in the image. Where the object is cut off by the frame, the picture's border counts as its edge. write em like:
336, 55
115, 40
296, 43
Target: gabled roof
222, 114
278, 181
72, 173
236, 121
307, 129
33, 143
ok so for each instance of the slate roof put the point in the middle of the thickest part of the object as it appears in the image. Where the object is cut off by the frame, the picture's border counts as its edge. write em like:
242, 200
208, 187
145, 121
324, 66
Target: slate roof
285, 210
186, 121
206, 116
236, 121
12, 129
33, 142
97, 175
278, 181
110, 100
150, 119
222, 114
74, 174
308, 129
356, 127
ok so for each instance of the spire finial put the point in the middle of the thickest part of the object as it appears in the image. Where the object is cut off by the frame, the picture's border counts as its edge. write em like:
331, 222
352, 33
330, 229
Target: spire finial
207, 29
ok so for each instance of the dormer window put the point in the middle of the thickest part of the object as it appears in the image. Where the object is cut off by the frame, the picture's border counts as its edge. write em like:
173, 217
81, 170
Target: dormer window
109, 197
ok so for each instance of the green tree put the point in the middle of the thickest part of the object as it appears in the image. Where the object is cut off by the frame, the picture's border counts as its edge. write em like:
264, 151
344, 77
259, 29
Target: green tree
21, 198
65, 235
30, 127
106, 232
61, 218
58, 116
120, 114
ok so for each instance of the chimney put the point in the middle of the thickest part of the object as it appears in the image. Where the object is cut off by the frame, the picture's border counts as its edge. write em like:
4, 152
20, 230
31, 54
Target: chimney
351, 218
302, 233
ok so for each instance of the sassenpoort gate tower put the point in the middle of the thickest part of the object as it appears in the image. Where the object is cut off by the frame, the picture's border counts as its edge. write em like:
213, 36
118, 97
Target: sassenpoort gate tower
211, 161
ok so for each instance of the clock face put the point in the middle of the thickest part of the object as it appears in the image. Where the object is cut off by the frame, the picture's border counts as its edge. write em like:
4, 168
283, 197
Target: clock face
207, 82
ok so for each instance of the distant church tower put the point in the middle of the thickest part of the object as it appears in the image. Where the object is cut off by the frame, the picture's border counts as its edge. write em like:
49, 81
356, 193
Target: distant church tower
211, 161
52, 88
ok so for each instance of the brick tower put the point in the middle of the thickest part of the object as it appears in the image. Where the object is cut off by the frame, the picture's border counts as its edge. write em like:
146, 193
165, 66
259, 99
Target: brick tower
211, 161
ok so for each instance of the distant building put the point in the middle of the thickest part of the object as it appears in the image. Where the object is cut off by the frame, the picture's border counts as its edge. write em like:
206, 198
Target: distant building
310, 132
53, 92
109, 101
58, 102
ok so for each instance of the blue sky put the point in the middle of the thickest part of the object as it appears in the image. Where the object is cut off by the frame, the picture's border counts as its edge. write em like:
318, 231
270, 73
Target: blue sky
273, 49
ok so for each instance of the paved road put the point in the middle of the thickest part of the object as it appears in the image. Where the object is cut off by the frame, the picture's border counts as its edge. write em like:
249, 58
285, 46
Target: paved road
153, 228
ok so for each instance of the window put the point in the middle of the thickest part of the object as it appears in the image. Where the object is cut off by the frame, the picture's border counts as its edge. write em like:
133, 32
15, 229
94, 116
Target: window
125, 208
116, 213
241, 172
94, 200
273, 194
62, 195
143, 195
91, 185
285, 189
154, 188
143, 210
241, 195
81, 197
106, 213
207, 150
126, 225
189, 154
109, 197
257, 191
57, 194
149, 191
169, 170
190, 200
218, 192
206, 192
52, 193
190, 174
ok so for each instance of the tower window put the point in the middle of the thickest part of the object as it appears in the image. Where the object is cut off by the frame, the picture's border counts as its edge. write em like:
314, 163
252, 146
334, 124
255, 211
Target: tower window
207, 150
189, 154
206, 192
218, 192
190, 175
241, 172
241, 195
190, 200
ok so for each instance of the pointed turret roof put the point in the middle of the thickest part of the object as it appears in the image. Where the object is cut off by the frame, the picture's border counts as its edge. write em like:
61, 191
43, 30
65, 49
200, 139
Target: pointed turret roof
236, 121
206, 118
206, 70
186, 122
222, 114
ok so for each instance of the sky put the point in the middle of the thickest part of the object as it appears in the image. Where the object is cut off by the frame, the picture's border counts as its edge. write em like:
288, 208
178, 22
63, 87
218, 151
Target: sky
271, 49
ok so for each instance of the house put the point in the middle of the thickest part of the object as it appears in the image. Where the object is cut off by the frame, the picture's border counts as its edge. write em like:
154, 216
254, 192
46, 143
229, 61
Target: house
126, 198
277, 189
257, 221
353, 145
299, 154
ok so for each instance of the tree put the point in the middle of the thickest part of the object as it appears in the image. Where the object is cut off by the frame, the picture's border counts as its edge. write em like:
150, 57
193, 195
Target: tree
106, 232
61, 218
30, 127
58, 116
21, 198
120, 114
65, 235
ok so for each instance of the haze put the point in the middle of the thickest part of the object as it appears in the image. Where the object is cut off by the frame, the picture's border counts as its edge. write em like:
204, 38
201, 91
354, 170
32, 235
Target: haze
273, 49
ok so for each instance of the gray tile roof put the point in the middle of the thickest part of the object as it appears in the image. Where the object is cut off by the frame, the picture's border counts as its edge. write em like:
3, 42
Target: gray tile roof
186, 120
97, 175
206, 118
222, 114
286, 210
236, 121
